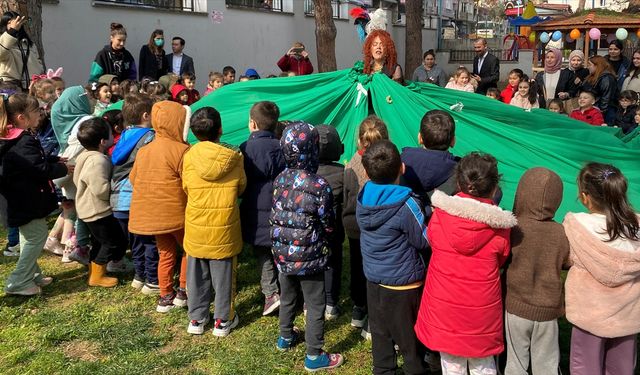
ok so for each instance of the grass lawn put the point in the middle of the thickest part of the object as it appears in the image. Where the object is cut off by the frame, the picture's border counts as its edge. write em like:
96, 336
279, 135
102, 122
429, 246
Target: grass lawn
73, 329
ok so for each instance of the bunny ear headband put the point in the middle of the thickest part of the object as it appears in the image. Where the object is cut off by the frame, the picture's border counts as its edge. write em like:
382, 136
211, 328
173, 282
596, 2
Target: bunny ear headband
57, 73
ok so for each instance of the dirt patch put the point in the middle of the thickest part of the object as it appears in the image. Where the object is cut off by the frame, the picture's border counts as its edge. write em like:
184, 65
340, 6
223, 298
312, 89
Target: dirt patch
82, 350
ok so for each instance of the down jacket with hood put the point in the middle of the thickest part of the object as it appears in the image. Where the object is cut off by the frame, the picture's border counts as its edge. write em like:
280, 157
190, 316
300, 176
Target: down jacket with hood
302, 217
603, 284
158, 201
393, 234
213, 178
539, 249
461, 309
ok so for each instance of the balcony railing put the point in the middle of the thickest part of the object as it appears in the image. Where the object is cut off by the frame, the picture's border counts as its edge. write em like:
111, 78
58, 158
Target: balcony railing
183, 5
467, 55
269, 5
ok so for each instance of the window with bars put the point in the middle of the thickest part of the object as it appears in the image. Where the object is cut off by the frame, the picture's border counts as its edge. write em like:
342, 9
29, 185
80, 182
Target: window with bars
340, 9
268, 5
180, 5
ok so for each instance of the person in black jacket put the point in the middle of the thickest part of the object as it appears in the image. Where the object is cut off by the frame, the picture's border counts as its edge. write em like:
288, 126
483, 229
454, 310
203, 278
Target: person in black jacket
178, 62
25, 182
602, 82
554, 82
263, 161
114, 58
331, 148
152, 61
625, 117
486, 67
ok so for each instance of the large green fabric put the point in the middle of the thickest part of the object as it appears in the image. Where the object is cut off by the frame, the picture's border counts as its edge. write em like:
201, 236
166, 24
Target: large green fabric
518, 139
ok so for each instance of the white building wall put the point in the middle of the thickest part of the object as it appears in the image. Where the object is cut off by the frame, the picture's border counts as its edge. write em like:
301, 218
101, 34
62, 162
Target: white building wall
75, 30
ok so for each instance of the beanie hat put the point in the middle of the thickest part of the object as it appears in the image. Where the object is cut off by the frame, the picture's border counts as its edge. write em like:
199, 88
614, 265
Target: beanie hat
107, 78
252, 73
331, 147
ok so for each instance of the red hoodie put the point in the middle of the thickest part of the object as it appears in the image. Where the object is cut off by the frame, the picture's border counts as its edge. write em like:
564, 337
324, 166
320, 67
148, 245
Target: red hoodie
507, 94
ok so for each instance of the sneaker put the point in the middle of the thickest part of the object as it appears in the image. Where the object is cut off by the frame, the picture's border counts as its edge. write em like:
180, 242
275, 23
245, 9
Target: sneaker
181, 298
45, 280
222, 328
137, 284
30, 291
358, 316
80, 254
271, 304
165, 303
324, 361
120, 266
331, 312
196, 327
150, 289
12, 251
366, 334
285, 344
66, 254
53, 245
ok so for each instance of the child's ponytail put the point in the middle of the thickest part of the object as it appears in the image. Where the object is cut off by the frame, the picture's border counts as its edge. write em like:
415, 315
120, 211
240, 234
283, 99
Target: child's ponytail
371, 129
607, 188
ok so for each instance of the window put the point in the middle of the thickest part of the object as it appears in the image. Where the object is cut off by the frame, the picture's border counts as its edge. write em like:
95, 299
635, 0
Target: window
182, 5
268, 5
340, 9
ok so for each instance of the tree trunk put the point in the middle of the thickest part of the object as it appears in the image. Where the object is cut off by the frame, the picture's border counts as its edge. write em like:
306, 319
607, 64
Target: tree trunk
581, 4
325, 36
32, 9
413, 37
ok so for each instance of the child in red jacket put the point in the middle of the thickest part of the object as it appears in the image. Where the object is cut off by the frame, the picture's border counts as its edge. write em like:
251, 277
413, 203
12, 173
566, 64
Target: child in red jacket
461, 310
515, 76
587, 112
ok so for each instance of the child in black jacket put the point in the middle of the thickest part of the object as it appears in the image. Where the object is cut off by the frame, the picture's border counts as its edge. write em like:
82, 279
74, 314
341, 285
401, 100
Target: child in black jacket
25, 177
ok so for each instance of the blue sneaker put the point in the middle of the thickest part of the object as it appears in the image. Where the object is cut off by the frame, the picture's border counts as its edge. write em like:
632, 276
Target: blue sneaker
324, 361
286, 344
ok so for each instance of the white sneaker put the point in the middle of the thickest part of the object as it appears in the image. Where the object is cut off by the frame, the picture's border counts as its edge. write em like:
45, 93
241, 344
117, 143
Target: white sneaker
12, 251
121, 266
137, 284
196, 327
223, 328
53, 245
150, 289
66, 255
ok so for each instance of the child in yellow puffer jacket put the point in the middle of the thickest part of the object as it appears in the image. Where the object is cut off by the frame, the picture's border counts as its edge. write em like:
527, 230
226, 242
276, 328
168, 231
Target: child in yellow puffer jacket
212, 177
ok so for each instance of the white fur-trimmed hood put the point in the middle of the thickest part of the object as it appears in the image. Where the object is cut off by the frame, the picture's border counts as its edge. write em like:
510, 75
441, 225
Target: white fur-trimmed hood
471, 209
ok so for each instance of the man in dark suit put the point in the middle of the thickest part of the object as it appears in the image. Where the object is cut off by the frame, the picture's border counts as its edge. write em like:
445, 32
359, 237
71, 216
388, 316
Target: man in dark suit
486, 67
178, 62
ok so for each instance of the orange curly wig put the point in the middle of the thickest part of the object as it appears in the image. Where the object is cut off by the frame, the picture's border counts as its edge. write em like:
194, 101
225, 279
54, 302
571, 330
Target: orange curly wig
391, 55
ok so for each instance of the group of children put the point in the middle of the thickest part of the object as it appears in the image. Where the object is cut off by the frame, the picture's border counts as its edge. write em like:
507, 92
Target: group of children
424, 231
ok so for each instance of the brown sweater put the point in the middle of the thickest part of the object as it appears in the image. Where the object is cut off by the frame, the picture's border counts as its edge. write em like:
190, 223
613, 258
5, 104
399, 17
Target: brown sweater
540, 249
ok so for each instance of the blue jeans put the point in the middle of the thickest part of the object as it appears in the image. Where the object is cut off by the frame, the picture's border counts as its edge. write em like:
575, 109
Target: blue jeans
143, 251
13, 237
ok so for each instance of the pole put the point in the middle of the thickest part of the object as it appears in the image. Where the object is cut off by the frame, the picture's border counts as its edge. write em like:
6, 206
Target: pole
586, 45
440, 2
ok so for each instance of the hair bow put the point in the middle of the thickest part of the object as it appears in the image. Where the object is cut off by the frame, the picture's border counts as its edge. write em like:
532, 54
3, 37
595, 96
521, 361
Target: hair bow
36, 77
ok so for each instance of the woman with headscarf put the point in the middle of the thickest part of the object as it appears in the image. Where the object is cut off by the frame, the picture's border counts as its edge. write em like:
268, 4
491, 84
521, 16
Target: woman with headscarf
554, 82
19, 58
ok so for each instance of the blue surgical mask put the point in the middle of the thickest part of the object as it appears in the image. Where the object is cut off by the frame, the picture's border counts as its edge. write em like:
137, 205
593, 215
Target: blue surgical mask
159, 42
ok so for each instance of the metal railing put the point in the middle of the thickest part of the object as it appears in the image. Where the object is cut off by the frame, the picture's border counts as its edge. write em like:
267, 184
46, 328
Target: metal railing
467, 55
269, 5
183, 5
335, 4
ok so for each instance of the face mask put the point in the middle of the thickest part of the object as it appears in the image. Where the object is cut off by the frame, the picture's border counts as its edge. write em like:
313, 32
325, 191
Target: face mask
159, 42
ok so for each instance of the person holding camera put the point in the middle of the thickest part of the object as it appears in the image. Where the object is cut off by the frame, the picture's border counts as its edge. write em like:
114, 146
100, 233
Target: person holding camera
429, 72
296, 60
19, 57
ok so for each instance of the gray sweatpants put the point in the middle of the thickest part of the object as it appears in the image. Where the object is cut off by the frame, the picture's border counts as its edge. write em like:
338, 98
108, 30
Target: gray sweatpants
312, 287
268, 271
530, 340
206, 276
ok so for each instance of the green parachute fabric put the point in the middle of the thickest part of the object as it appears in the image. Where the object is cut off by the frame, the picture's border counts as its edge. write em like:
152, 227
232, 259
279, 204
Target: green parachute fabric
518, 139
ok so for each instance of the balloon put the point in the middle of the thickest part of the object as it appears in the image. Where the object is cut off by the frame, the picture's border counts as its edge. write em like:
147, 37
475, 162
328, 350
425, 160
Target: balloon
556, 36
569, 39
622, 34
594, 33
575, 34
544, 37
638, 33
532, 37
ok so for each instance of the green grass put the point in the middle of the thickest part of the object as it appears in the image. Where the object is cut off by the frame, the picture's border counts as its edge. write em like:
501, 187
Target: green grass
73, 329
